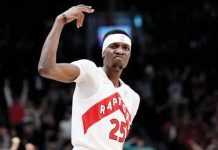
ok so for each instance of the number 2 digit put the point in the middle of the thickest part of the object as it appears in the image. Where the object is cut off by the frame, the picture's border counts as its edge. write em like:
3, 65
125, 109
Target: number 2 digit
118, 126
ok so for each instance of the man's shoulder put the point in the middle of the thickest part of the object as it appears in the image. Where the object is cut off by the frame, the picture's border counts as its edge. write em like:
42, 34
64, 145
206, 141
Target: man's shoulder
132, 92
87, 61
84, 62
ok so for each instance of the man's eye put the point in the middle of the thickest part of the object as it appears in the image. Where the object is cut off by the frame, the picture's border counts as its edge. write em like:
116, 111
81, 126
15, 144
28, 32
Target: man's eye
126, 48
112, 46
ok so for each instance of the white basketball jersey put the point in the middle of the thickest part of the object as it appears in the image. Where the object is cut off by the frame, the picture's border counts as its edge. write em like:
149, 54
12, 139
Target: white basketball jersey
101, 113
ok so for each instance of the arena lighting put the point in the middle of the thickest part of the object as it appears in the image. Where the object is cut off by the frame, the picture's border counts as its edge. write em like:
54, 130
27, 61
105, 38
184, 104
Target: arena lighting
138, 21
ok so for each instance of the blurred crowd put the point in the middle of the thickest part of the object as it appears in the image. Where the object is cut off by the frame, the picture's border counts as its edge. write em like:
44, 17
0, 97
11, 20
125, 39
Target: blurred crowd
44, 121
173, 67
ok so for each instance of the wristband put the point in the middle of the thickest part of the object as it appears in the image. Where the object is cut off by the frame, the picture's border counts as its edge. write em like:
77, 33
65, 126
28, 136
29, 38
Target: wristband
65, 18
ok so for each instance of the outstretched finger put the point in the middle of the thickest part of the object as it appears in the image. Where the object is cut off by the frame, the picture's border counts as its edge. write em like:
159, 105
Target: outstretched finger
87, 9
80, 20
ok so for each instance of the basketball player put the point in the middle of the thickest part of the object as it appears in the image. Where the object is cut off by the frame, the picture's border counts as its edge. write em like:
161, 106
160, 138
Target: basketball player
103, 105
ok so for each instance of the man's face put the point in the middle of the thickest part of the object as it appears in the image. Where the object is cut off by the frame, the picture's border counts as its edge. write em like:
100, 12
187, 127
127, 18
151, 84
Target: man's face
116, 55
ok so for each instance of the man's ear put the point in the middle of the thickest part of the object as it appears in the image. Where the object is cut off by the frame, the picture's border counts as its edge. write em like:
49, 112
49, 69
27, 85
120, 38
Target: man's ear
103, 55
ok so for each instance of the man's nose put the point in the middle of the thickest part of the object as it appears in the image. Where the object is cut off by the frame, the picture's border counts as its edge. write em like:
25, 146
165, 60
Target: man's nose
120, 51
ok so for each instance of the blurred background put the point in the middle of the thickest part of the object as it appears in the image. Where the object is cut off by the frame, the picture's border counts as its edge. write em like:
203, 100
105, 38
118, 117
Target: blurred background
174, 68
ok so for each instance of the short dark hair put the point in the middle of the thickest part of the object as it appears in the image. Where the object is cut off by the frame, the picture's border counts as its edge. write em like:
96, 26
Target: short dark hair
115, 31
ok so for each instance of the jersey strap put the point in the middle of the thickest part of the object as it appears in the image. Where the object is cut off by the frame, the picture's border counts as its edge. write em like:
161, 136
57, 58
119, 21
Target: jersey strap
104, 108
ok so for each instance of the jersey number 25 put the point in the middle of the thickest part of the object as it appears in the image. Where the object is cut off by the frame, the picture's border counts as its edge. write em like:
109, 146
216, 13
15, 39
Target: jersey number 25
119, 126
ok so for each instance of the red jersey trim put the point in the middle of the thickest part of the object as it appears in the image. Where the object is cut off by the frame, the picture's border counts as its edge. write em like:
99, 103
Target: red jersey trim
104, 108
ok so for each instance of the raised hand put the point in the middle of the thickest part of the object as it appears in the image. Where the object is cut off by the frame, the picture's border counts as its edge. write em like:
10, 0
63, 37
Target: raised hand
76, 13
15, 143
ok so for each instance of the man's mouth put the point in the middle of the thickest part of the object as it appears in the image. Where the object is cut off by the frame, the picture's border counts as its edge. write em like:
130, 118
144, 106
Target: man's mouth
119, 57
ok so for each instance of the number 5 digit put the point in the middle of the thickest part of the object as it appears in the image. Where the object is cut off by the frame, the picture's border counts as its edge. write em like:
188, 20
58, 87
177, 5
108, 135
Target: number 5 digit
122, 131
117, 127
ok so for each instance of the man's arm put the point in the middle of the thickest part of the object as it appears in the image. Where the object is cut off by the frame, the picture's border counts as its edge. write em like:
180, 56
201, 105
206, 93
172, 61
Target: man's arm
24, 92
7, 92
47, 66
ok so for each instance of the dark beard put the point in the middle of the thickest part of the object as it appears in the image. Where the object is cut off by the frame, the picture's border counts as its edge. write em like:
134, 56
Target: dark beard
117, 66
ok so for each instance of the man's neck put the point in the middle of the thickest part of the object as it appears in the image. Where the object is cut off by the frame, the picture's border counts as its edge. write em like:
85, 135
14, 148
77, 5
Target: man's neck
113, 75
